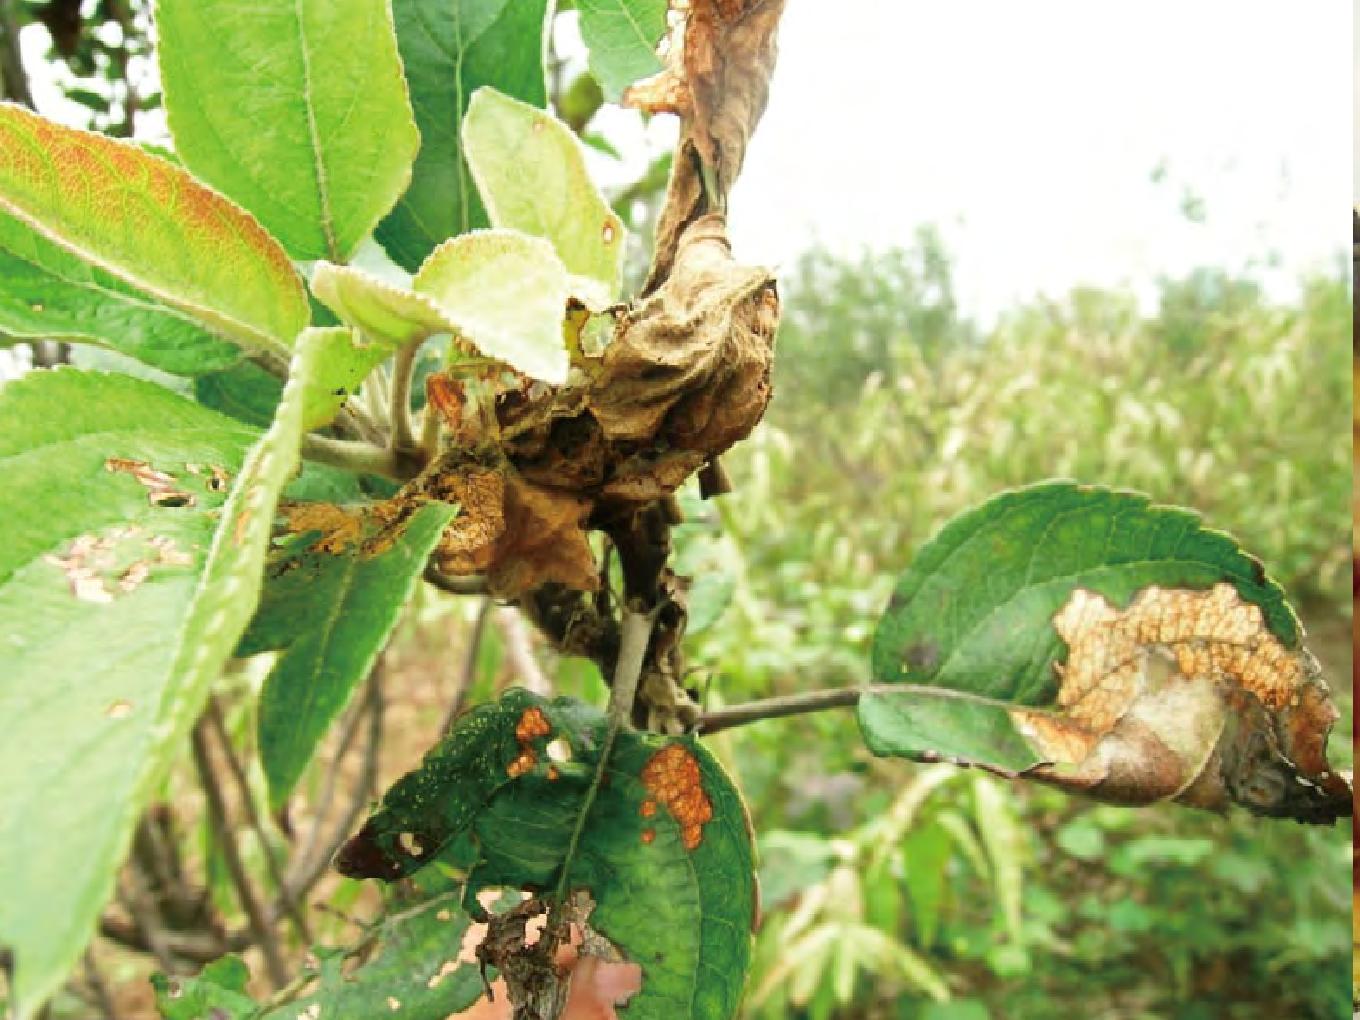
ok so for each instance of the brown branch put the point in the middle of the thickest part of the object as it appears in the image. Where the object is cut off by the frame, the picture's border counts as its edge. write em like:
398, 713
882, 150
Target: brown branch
260, 924
103, 996
402, 441
197, 947
845, 697
146, 919
775, 708
519, 650
468, 674
13, 77
455, 585
323, 804
122, 61
358, 457
643, 543
314, 864
714, 480
218, 724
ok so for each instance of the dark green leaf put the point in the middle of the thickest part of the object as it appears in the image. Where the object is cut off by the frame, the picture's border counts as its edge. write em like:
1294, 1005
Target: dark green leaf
670, 868
450, 48
330, 613
245, 391
414, 974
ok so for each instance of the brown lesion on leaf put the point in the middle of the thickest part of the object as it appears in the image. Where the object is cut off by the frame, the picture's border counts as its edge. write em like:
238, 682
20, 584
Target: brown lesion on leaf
672, 776
338, 527
214, 477
1187, 694
99, 568
363, 530
161, 488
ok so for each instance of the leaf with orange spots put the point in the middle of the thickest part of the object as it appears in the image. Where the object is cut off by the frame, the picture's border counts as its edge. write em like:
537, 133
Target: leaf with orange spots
1090, 640
413, 968
665, 851
154, 226
530, 170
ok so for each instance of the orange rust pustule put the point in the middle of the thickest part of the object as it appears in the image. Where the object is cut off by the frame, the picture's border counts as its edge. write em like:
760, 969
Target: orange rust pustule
648, 808
532, 725
647, 836
521, 765
672, 776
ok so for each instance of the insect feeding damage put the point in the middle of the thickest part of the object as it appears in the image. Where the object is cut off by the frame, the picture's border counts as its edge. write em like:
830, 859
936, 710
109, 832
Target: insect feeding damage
100, 568
1187, 695
161, 488
673, 778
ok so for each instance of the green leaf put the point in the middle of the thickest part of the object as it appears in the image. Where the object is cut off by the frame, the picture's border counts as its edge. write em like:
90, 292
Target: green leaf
450, 48
386, 313
47, 293
104, 582
152, 225
414, 974
926, 853
342, 362
622, 36
140, 559
532, 175
665, 852
503, 292
296, 110
507, 292
330, 613
923, 726
246, 392
973, 612
218, 991
1112, 618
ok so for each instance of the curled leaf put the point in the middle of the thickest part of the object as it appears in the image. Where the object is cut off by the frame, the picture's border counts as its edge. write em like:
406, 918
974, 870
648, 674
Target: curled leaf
1109, 647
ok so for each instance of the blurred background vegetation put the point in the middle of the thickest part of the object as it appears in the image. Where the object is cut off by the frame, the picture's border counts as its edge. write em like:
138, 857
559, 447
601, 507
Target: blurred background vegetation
892, 413
888, 888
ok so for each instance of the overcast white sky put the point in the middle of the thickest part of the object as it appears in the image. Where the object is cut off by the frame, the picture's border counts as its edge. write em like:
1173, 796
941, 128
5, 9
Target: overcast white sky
1029, 133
